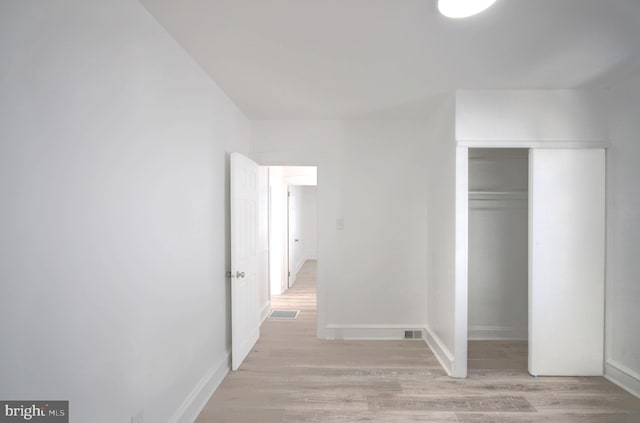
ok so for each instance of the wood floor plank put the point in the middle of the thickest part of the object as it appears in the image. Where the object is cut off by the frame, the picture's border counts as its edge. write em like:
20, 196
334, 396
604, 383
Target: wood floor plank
466, 403
573, 417
385, 416
291, 376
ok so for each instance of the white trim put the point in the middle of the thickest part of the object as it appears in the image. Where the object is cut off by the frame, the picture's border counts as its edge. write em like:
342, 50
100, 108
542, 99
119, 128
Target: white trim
461, 265
609, 285
622, 376
483, 143
441, 352
264, 311
198, 397
497, 333
370, 332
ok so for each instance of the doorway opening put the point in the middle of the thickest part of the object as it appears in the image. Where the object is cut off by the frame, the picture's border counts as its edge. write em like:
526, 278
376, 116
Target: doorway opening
498, 259
293, 224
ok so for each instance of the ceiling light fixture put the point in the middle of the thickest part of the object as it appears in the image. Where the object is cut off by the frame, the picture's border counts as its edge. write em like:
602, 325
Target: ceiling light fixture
462, 8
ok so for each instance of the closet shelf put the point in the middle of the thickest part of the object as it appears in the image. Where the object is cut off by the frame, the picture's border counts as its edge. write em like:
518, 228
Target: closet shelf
498, 195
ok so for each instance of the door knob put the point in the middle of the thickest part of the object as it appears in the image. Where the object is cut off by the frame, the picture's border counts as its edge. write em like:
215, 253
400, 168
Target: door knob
239, 274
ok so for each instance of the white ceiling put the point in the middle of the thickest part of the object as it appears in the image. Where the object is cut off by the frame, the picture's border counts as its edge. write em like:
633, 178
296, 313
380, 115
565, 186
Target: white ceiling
355, 59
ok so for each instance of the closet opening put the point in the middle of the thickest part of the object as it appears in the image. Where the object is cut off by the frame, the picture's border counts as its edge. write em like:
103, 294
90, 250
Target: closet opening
498, 259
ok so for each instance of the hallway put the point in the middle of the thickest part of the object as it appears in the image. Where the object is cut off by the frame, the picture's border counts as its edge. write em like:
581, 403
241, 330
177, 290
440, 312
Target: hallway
291, 376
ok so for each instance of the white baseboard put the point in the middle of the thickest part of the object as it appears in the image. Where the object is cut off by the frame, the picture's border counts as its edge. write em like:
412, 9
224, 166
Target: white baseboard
198, 397
369, 332
622, 376
392, 332
497, 333
441, 352
264, 311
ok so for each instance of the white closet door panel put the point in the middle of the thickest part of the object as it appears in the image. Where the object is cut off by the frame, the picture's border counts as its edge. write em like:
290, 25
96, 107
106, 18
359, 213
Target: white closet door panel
566, 261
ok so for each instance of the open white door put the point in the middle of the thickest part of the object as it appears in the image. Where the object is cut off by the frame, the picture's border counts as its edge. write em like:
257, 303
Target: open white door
293, 235
245, 313
566, 261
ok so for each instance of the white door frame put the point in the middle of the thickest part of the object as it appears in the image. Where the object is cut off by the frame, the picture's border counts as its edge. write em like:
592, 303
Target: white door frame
289, 235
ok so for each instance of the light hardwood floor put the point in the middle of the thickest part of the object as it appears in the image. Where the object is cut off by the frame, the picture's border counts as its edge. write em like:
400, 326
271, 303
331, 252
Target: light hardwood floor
291, 376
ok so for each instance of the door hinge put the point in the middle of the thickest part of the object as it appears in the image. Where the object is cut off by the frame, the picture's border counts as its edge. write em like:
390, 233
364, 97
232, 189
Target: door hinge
289, 274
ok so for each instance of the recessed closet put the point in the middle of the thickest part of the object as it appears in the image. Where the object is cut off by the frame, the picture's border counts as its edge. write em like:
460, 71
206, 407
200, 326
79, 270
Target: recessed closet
536, 259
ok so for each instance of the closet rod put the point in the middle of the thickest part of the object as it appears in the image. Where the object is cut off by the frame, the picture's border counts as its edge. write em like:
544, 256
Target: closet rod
498, 195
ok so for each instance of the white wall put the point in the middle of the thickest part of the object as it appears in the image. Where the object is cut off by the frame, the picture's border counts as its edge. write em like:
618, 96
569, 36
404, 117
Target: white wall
277, 232
309, 222
383, 269
622, 355
441, 258
113, 168
536, 117
264, 294
372, 272
498, 243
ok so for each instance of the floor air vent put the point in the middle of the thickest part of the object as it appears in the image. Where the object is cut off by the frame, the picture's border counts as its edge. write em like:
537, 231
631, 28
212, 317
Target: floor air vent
412, 334
284, 314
